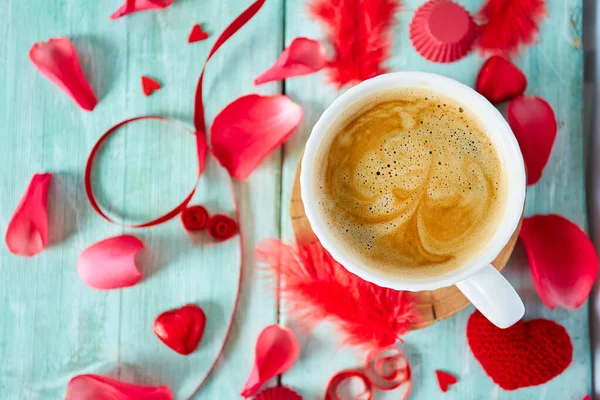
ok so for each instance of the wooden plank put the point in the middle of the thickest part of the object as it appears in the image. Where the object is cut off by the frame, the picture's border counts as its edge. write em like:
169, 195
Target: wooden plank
54, 326
554, 68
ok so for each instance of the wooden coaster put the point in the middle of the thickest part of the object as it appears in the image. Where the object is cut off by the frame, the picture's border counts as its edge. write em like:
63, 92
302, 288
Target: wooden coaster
433, 305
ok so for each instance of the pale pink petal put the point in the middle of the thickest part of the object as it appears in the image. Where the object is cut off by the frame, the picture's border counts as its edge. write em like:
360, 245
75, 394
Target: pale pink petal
57, 60
563, 261
132, 6
303, 56
110, 263
98, 387
27, 232
250, 128
276, 351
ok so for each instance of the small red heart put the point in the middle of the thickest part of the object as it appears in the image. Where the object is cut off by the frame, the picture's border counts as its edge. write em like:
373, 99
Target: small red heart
500, 80
445, 380
149, 85
181, 329
197, 34
526, 354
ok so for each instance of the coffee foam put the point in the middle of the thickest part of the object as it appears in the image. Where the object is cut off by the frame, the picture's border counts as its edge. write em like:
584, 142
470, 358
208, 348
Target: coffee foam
410, 184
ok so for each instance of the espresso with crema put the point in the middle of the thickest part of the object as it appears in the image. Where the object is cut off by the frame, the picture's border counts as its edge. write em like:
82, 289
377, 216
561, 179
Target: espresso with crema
410, 184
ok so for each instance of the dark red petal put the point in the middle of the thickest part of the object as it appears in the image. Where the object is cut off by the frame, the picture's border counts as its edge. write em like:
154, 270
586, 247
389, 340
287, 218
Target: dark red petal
250, 128
303, 56
57, 60
132, 6
500, 80
533, 122
182, 328
197, 34
27, 232
445, 380
98, 387
194, 218
563, 260
149, 85
221, 227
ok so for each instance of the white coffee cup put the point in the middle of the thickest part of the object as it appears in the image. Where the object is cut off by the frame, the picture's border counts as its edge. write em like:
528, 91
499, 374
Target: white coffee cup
478, 280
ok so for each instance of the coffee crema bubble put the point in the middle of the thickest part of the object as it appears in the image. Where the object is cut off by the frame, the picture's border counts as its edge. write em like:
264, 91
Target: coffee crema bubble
410, 184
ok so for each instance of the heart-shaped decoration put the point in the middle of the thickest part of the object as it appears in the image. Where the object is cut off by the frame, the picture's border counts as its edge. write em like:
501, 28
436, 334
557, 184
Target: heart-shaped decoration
197, 34
181, 329
445, 380
149, 85
526, 354
500, 80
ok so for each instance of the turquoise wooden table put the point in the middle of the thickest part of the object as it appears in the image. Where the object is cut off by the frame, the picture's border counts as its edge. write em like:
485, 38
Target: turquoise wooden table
52, 326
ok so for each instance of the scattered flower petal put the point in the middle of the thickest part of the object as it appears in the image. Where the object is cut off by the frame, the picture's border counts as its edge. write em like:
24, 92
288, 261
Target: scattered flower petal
563, 261
149, 85
445, 380
197, 34
500, 80
194, 218
57, 60
181, 329
525, 354
303, 56
98, 387
587, 397
110, 263
533, 122
250, 128
276, 351
132, 6
27, 232
277, 393
221, 227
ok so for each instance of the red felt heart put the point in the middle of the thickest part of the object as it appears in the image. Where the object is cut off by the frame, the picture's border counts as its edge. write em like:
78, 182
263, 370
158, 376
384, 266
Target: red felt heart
445, 380
197, 34
500, 80
526, 354
149, 85
181, 329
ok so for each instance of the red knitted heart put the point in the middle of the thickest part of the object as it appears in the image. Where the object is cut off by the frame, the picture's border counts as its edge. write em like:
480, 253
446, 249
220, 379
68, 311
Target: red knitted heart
181, 329
526, 354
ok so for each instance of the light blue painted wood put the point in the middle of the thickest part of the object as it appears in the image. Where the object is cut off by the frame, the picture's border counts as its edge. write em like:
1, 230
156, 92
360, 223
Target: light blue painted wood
554, 69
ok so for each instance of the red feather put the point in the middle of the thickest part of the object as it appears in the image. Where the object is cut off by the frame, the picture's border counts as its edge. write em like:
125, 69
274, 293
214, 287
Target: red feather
360, 33
316, 288
509, 24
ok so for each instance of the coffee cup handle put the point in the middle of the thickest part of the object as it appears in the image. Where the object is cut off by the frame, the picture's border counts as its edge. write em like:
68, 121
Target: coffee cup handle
493, 296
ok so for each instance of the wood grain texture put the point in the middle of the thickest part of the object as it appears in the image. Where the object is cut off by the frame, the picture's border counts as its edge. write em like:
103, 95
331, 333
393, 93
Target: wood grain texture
53, 327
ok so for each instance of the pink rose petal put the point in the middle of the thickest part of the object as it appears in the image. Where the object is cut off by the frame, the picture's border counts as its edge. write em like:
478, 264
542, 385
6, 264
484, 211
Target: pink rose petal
533, 122
563, 261
57, 60
250, 128
132, 6
110, 263
303, 56
98, 387
276, 351
27, 232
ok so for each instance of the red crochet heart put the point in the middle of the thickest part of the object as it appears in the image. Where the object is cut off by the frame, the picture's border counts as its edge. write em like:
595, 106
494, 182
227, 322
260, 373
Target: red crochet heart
526, 354
500, 80
181, 329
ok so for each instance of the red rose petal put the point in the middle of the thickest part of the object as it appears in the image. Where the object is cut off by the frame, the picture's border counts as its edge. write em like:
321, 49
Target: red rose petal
27, 232
181, 329
98, 387
587, 397
110, 263
197, 34
132, 6
276, 351
57, 60
500, 80
250, 128
533, 122
563, 261
445, 380
303, 56
149, 85
221, 227
194, 218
